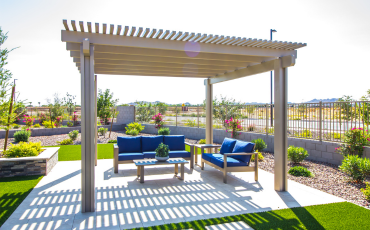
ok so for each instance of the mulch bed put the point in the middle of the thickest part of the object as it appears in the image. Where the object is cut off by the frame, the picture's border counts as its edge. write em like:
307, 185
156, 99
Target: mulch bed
328, 178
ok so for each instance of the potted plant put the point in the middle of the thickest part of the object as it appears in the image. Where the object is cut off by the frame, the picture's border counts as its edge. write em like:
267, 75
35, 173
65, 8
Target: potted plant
161, 153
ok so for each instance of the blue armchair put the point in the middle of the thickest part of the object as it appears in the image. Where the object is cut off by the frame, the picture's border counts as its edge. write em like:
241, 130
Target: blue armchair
234, 156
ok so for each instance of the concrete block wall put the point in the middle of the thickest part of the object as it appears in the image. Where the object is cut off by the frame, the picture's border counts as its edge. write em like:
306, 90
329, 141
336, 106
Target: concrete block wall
126, 114
317, 150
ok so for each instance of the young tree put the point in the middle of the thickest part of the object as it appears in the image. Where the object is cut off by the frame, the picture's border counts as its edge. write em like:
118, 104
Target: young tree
68, 101
56, 107
104, 104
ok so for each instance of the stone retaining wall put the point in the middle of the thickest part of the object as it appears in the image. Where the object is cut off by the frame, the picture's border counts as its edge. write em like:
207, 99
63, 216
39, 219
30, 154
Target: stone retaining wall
58, 131
28, 166
318, 150
126, 114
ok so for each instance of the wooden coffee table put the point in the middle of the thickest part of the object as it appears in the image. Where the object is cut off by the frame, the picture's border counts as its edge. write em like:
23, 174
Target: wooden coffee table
140, 164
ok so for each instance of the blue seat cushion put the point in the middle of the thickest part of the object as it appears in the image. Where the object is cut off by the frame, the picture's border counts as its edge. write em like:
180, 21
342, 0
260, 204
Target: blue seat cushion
243, 147
150, 154
207, 156
227, 145
150, 143
130, 156
175, 154
129, 144
175, 142
231, 162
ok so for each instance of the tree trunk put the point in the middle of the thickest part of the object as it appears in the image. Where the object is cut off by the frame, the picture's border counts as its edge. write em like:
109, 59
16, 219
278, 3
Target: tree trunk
10, 112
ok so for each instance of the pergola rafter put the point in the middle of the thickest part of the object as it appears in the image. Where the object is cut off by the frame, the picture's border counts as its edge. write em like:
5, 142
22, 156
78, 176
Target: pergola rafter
124, 50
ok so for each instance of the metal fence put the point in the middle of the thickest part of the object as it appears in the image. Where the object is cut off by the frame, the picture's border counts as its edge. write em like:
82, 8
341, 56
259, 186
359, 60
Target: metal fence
325, 121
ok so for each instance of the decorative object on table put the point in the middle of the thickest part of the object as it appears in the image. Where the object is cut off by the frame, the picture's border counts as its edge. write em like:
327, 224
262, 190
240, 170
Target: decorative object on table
161, 153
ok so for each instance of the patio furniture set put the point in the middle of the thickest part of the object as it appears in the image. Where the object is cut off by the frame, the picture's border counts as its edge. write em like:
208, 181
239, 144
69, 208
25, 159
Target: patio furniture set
233, 155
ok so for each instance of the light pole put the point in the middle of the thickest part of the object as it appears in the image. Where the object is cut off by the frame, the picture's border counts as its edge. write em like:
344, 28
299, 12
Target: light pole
14, 89
271, 106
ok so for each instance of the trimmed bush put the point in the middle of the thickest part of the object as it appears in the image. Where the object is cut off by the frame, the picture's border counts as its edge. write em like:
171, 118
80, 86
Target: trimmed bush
22, 136
300, 171
356, 167
36, 125
259, 144
134, 126
366, 191
48, 124
297, 154
164, 131
132, 132
202, 141
16, 126
112, 141
65, 142
73, 135
102, 131
23, 149
260, 157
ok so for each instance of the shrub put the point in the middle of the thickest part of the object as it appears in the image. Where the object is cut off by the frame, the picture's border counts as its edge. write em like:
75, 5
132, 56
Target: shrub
158, 120
132, 132
190, 123
297, 154
36, 125
162, 150
73, 135
305, 134
22, 136
134, 126
112, 141
48, 124
65, 142
300, 171
16, 126
42, 118
366, 191
355, 141
164, 131
356, 167
23, 149
102, 131
260, 157
28, 120
69, 124
259, 144
202, 141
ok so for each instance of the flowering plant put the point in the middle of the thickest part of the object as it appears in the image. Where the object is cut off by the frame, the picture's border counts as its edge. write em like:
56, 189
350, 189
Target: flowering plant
28, 120
234, 125
58, 121
158, 120
42, 118
354, 142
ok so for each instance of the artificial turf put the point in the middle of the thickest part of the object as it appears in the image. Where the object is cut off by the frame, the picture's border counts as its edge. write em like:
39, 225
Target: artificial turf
342, 215
73, 152
13, 190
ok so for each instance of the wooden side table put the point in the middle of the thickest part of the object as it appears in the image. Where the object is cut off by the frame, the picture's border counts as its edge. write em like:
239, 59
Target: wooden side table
202, 147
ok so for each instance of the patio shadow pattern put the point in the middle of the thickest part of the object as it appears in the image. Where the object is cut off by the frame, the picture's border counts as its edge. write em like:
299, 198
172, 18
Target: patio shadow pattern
123, 203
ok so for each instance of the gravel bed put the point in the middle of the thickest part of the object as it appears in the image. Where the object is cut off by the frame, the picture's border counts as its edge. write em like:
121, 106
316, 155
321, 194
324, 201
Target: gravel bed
328, 178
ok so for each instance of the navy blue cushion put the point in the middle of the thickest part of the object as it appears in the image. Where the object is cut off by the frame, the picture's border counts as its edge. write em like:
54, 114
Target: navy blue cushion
243, 147
150, 154
179, 153
130, 156
175, 142
227, 146
150, 143
231, 162
207, 156
129, 144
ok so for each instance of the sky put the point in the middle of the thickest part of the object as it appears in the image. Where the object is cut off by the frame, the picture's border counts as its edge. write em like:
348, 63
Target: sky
334, 63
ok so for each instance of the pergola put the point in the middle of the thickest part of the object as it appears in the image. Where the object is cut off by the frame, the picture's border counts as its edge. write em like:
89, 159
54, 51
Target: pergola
124, 50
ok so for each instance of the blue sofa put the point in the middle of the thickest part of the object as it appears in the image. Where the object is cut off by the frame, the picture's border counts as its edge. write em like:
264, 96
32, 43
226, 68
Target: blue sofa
234, 156
128, 149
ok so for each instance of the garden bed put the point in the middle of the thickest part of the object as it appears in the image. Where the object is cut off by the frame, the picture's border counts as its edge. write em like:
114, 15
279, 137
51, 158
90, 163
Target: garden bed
328, 178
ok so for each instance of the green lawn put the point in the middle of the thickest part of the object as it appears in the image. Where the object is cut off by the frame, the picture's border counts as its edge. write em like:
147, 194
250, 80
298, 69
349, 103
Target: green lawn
73, 152
13, 190
343, 215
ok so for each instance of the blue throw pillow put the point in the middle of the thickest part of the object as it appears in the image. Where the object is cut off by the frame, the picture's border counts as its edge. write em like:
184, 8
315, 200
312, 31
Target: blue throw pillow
175, 142
227, 146
129, 144
243, 147
150, 143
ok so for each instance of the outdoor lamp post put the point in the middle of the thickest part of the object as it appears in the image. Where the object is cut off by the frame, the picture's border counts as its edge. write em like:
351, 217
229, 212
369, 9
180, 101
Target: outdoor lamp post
271, 106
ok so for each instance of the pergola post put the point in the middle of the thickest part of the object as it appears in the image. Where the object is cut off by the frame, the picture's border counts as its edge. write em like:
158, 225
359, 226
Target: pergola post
96, 118
280, 130
209, 111
88, 126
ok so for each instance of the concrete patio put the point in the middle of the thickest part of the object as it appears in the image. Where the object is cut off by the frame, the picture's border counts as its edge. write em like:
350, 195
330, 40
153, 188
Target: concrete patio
123, 203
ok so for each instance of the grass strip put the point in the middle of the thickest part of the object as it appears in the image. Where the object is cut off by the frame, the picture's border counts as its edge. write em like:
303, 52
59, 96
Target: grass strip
73, 152
13, 190
343, 215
